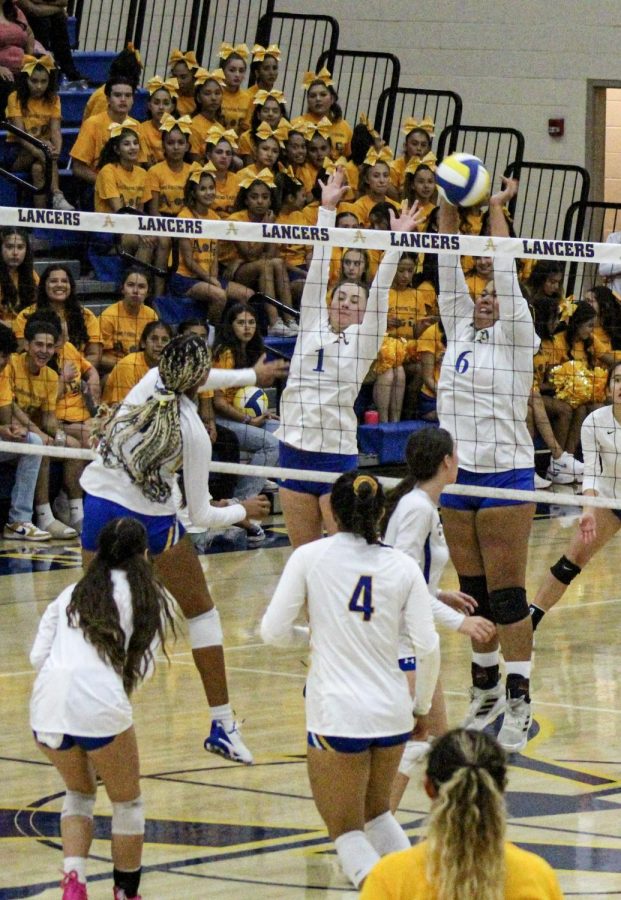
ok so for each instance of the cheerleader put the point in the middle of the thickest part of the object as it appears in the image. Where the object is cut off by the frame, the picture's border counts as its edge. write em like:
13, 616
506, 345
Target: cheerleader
183, 67
264, 68
236, 101
490, 342
355, 590
337, 343
162, 103
80, 710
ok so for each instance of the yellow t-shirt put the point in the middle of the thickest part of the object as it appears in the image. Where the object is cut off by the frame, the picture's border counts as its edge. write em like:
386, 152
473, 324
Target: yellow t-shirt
90, 320
340, 133
246, 144
200, 126
476, 283
71, 406
226, 194
410, 306
225, 360
236, 109
8, 315
124, 376
115, 181
33, 394
295, 254
363, 206
204, 250
169, 185
307, 174
552, 352
151, 137
402, 876
430, 341
120, 331
36, 117
6, 393
397, 173
92, 137
186, 105
228, 251
96, 103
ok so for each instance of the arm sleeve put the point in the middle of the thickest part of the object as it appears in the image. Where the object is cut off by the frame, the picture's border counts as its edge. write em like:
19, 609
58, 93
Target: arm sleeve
454, 298
422, 632
220, 379
592, 465
445, 615
313, 304
373, 325
278, 624
45, 634
513, 312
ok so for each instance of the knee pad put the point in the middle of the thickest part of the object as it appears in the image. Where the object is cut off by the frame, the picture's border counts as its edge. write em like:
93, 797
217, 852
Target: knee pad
476, 586
509, 605
128, 817
205, 630
413, 751
565, 571
77, 804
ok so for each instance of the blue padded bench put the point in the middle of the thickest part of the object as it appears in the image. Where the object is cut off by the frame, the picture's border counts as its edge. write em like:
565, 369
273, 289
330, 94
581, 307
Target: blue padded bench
388, 440
173, 310
93, 64
72, 31
73, 104
285, 345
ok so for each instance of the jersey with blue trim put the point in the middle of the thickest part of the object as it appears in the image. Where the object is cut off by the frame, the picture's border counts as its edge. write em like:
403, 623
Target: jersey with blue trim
601, 448
327, 368
354, 595
487, 374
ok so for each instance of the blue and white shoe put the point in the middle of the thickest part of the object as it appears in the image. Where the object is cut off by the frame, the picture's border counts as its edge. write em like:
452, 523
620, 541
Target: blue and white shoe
228, 743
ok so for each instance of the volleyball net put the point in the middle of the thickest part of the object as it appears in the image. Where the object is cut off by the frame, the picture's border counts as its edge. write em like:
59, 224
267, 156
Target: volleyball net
397, 348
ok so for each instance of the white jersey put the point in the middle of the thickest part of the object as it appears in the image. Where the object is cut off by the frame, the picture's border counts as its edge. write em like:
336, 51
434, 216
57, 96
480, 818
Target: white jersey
611, 271
354, 594
327, 369
115, 485
487, 375
416, 529
601, 447
75, 691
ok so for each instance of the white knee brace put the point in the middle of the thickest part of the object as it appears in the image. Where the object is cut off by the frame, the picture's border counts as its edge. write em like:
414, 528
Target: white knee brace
76, 804
205, 630
412, 753
128, 817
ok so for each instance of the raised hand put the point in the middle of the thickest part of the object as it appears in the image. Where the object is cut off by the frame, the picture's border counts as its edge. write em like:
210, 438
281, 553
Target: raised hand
334, 189
409, 220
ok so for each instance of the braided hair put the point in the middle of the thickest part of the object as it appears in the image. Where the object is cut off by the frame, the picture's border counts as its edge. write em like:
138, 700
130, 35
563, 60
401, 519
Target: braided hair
145, 440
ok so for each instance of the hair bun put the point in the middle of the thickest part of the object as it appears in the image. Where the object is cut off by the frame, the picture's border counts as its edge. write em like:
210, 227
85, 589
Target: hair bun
365, 486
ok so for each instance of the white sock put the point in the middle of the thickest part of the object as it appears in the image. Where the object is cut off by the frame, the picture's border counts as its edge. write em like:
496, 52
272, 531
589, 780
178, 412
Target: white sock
75, 864
45, 516
487, 659
76, 510
223, 714
519, 668
386, 835
356, 855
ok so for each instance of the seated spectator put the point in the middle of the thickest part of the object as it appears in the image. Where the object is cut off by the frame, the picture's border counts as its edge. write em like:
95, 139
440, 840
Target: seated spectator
18, 279
162, 103
418, 136
264, 68
183, 67
322, 102
34, 107
128, 64
268, 107
207, 113
131, 368
48, 20
19, 526
373, 185
57, 291
236, 101
35, 388
122, 323
79, 391
16, 39
431, 347
220, 147
465, 854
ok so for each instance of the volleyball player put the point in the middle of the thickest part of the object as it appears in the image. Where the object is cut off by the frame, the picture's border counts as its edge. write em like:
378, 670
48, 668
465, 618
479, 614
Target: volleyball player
339, 339
601, 449
483, 392
354, 590
155, 432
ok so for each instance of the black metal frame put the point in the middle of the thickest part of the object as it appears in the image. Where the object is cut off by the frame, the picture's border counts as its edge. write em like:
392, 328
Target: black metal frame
582, 229
40, 145
372, 60
387, 105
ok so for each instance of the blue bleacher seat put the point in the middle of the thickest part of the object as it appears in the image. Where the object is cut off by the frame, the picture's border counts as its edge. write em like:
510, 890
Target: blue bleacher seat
72, 31
388, 440
93, 64
173, 310
285, 345
72, 104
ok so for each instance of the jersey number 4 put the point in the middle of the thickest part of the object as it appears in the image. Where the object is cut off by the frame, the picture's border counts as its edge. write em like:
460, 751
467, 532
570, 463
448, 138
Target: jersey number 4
362, 599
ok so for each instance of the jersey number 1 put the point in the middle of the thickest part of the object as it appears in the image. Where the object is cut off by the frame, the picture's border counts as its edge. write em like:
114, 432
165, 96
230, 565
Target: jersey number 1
362, 600
319, 366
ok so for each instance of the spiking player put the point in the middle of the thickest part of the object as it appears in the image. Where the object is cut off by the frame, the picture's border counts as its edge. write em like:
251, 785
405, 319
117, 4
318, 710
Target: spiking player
483, 392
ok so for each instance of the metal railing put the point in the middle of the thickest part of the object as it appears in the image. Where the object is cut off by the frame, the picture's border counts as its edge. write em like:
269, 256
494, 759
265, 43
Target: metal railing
360, 78
588, 220
40, 145
397, 104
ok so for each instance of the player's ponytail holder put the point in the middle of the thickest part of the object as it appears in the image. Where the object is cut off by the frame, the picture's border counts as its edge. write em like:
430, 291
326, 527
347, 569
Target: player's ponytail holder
361, 480
164, 397
411, 124
414, 163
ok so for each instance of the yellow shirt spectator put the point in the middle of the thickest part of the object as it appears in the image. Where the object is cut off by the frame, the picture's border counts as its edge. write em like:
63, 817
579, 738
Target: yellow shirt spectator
127, 373
90, 320
151, 137
431, 342
168, 185
114, 181
71, 406
120, 330
33, 394
91, 139
236, 109
36, 117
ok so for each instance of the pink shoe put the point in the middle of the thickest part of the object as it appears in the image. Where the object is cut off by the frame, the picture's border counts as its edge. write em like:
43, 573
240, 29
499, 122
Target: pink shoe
73, 889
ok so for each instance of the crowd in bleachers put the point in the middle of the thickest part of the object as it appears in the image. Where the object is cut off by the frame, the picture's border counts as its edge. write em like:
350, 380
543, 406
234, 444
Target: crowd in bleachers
210, 147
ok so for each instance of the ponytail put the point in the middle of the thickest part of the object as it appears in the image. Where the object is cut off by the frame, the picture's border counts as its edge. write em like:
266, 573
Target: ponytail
358, 505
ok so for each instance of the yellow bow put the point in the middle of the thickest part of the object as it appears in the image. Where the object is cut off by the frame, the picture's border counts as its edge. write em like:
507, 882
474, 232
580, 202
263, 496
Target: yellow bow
184, 124
374, 156
132, 49
567, 308
188, 58
202, 75
364, 120
197, 171
288, 171
158, 84
330, 167
259, 53
219, 133
227, 50
280, 133
265, 175
322, 127
30, 63
312, 77
429, 160
427, 124
261, 96
117, 128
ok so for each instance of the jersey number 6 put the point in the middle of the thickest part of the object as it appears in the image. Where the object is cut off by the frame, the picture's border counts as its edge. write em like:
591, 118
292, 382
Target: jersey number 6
462, 363
361, 599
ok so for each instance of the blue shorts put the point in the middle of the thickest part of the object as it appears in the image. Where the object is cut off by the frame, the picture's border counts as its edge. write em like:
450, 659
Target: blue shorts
163, 532
69, 741
515, 479
353, 745
298, 274
426, 405
181, 285
291, 458
407, 663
